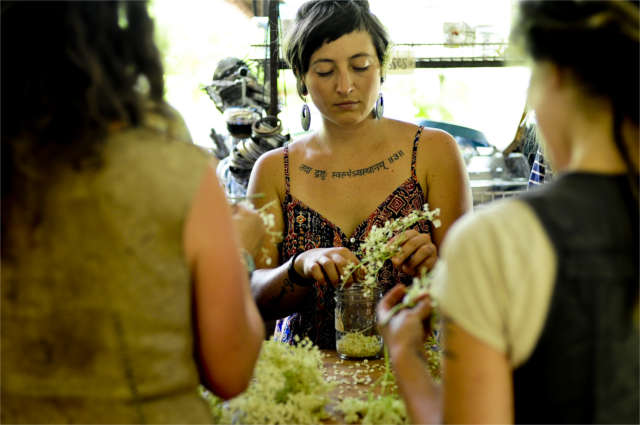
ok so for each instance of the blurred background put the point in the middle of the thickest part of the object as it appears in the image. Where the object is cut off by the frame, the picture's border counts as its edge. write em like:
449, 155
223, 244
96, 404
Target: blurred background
451, 68
194, 35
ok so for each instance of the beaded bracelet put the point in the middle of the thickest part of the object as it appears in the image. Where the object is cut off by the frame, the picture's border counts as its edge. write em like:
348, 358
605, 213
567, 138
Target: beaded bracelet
295, 277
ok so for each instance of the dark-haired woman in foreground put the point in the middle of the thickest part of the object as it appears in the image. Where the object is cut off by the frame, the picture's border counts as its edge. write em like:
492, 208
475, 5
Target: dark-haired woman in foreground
540, 295
357, 171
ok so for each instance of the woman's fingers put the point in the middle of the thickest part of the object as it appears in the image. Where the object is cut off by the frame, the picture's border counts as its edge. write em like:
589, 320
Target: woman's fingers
423, 308
416, 252
316, 273
328, 265
412, 241
391, 298
330, 269
342, 260
424, 257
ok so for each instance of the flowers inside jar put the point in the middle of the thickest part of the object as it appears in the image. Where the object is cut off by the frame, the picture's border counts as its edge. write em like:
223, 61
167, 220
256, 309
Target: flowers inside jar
357, 335
355, 315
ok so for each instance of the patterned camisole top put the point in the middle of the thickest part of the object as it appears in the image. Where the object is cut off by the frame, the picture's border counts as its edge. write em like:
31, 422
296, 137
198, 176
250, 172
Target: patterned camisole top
305, 228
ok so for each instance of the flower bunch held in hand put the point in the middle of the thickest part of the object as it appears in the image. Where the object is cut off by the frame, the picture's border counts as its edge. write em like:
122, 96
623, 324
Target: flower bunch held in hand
380, 245
268, 220
269, 223
420, 287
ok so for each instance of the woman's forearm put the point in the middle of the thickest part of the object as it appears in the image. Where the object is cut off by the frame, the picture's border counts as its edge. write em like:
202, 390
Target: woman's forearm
421, 394
229, 328
276, 293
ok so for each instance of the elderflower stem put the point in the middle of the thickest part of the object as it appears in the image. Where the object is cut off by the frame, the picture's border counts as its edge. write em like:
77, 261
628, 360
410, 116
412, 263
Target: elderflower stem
239, 198
266, 206
394, 310
346, 277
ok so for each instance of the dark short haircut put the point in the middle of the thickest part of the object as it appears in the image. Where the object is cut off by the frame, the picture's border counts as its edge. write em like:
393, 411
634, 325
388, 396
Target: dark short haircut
323, 21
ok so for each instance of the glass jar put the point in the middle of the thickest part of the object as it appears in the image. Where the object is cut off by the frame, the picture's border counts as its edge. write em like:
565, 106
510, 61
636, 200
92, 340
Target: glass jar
357, 335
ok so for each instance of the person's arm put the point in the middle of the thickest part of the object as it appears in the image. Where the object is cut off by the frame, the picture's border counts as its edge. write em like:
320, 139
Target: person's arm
404, 335
275, 293
447, 180
279, 290
477, 380
230, 329
448, 189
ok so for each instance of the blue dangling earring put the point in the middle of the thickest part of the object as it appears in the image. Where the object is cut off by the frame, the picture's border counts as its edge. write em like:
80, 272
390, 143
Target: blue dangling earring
378, 109
305, 117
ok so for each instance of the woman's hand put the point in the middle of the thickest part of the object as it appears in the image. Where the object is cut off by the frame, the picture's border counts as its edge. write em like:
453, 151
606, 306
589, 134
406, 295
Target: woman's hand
326, 265
249, 227
405, 330
417, 252
404, 336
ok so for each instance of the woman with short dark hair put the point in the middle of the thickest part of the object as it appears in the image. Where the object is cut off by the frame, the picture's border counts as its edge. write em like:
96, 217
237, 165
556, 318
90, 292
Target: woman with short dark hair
359, 170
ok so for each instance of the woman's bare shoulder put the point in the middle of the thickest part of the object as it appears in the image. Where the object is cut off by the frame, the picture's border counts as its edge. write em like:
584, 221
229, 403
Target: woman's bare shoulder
407, 131
437, 143
401, 129
270, 159
276, 156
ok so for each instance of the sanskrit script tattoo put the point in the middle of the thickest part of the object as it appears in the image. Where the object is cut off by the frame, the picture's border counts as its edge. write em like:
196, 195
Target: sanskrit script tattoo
316, 172
378, 166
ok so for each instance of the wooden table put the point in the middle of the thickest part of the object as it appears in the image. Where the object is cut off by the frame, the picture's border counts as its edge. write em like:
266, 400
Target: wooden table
353, 378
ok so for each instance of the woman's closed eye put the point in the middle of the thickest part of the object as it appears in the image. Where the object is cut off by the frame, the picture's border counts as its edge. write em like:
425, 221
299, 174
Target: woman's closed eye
323, 69
361, 63
355, 68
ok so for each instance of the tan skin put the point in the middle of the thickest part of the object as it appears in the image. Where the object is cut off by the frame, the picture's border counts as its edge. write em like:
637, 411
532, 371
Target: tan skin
343, 82
477, 378
230, 329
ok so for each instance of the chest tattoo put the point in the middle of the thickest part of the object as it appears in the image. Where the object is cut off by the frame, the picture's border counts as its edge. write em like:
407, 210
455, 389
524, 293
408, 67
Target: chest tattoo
322, 174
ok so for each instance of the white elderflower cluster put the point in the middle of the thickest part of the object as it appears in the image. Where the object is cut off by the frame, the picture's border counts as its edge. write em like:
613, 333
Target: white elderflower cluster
384, 408
376, 249
288, 387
